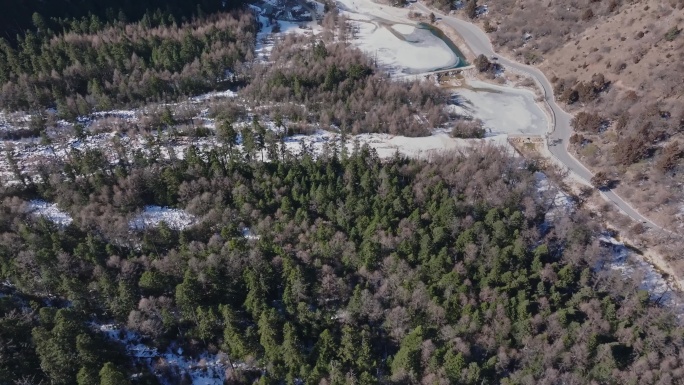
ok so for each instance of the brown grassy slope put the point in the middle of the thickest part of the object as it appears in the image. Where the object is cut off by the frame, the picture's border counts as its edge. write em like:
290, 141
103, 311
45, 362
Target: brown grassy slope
626, 41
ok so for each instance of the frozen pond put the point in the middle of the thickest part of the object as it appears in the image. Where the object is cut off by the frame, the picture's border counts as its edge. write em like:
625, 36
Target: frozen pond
503, 110
399, 44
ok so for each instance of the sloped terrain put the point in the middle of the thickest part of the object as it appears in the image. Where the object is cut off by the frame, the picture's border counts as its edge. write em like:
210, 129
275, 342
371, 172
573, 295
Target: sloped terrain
621, 63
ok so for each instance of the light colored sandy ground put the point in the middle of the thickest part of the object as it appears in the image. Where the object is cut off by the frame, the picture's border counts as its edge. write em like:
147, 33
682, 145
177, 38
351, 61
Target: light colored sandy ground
503, 110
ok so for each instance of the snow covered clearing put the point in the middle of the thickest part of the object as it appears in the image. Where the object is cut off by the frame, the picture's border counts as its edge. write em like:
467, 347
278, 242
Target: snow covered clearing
387, 146
439, 143
247, 233
403, 49
14, 121
152, 216
49, 211
206, 369
503, 110
386, 33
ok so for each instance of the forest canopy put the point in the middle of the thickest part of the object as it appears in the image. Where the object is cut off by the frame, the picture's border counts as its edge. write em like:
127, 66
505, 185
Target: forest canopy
91, 63
360, 271
21, 16
305, 267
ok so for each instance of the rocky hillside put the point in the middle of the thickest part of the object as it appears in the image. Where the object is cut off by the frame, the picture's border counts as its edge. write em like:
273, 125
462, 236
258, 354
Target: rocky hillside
621, 63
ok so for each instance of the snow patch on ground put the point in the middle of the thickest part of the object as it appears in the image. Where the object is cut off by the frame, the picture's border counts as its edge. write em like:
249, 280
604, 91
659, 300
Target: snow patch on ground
266, 38
128, 115
49, 211
561, 201
620, 258
214, 95
404, 29
152, 216
13, 121
629, 264
423, 147
247, 233
206, 369
387, 146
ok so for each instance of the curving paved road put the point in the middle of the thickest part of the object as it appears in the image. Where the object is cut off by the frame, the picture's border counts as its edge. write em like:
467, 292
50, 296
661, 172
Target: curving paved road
478, 42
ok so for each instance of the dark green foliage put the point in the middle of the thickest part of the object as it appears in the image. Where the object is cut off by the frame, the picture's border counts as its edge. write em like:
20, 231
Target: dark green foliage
109, 375
102, 64
44, 17
482, 63
672, 33
393, 271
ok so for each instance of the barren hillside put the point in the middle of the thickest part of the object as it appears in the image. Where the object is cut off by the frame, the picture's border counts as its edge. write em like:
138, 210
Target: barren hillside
621, 63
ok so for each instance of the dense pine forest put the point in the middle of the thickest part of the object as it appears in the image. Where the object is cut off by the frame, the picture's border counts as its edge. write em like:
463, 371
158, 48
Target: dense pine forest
323, 267
22, 16
358, 271
79, 64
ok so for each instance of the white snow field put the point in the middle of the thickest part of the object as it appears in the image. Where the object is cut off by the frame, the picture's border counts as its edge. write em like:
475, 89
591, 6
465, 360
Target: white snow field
439, 143
49, 211
152, 216
386, 146
386, 33
503, 110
